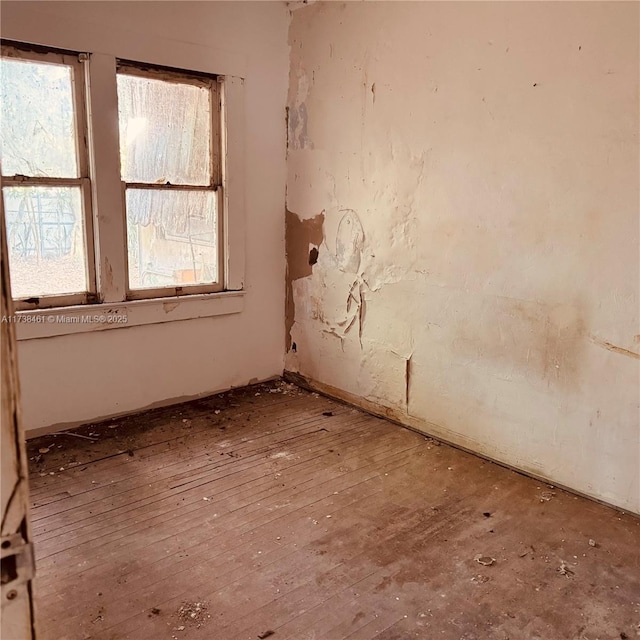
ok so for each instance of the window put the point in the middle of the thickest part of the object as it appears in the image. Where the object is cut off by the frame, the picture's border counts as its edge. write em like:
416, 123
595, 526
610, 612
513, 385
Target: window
45, 179
65, 246
169, 151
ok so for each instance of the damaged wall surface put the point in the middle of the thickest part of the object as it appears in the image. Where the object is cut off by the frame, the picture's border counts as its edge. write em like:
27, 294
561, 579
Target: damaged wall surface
84, 376
463, 231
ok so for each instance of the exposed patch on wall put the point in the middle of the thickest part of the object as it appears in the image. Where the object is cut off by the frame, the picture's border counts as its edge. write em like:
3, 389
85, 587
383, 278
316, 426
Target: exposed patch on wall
299, 234
341, 278
297, 117
297, 136
349, 242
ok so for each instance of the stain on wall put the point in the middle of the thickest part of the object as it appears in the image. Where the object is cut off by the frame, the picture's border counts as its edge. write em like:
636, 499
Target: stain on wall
531, 339
612, 347
480, 194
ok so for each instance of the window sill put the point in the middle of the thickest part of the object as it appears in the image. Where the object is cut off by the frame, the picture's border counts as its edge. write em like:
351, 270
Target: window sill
62, 321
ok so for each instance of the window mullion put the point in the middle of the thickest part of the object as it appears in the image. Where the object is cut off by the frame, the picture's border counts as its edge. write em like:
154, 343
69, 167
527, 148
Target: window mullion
109, 215
35, 181
170, 186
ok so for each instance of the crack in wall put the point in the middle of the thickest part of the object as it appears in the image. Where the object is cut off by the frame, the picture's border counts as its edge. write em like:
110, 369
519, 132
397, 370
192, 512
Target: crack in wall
612, 347
407, 379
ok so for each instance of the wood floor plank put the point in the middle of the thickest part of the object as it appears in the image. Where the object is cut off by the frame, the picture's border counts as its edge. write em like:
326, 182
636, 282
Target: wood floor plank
251, 503
241, 524
306, 532
319, 522
167, 458
238, 472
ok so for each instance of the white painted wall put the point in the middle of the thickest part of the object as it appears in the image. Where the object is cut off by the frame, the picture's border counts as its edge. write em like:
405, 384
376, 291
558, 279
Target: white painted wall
91, 375
483, 285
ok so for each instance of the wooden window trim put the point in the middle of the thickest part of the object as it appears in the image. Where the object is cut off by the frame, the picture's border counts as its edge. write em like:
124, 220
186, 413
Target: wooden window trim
106, 194
77, 63
213, 84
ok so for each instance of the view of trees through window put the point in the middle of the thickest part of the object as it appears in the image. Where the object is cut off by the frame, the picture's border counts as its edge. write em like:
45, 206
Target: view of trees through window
44, 216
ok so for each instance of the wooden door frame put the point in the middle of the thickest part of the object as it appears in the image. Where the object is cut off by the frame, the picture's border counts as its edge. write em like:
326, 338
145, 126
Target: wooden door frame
17, 612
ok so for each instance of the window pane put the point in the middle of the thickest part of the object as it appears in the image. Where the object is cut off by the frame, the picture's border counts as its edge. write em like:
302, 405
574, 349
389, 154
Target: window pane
38, 135
172, 237
165, 131
46, 241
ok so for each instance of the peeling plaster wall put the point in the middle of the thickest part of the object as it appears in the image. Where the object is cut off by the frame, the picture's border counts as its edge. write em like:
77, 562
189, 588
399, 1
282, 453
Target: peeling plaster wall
85, 376
475, 168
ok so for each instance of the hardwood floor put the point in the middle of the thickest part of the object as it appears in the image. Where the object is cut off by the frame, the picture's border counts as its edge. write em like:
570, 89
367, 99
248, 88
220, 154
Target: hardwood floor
273, 512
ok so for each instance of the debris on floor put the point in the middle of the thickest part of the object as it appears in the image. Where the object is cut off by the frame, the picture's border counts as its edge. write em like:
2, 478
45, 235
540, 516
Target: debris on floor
485, 561
592, 543
266, 634
565, 570
545, 496
192, 613
100, 616
78, 435
192, 610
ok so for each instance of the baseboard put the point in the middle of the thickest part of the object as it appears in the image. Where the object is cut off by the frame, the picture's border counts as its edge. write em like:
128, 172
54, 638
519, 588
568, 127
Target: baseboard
65, 426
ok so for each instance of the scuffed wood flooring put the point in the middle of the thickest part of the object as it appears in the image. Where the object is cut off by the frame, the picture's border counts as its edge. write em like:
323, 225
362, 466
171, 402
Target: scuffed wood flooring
273, 512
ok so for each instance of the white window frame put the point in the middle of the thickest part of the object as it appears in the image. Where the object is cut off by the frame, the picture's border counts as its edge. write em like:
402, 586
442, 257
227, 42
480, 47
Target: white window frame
112, 297
77, 63
214, 85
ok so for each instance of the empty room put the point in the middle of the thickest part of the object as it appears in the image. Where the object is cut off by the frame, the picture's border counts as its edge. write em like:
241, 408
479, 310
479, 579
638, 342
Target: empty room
320, 320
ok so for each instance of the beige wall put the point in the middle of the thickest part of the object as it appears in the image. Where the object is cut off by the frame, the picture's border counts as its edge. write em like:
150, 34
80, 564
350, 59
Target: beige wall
470, 171
80, 377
